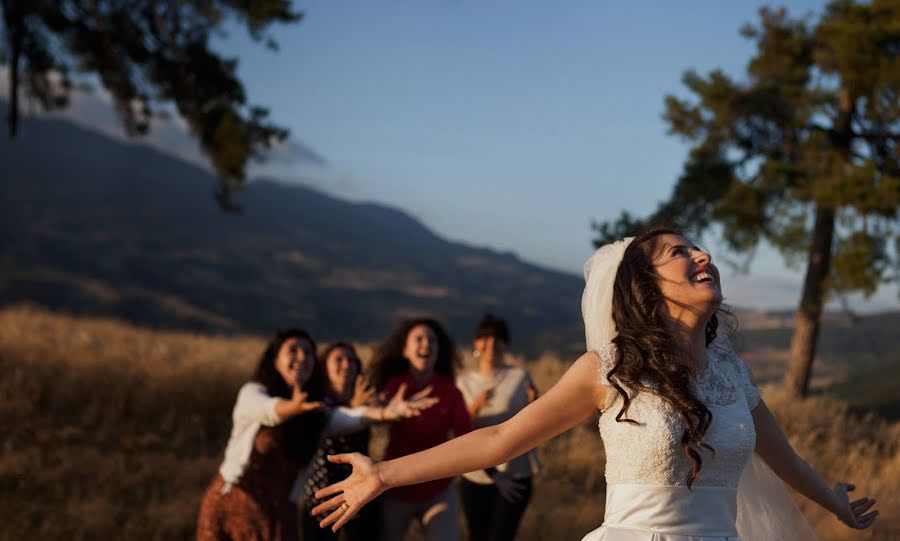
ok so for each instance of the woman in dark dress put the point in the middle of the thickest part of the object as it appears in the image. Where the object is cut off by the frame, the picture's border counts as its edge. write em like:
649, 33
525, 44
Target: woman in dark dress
346, 387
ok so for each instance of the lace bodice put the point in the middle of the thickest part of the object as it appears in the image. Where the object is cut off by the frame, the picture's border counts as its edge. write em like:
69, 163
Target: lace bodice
650, 452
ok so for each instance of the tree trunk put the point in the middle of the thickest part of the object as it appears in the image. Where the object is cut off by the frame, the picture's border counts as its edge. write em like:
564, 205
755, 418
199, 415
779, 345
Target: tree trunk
809, 313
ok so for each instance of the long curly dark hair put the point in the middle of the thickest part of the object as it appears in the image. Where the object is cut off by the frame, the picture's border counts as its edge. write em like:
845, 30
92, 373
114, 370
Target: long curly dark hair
389, 360
301, 432
648, 356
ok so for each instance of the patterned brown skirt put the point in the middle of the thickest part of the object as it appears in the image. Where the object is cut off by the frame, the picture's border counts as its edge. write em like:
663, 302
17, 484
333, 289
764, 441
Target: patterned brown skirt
239, 516
258, 508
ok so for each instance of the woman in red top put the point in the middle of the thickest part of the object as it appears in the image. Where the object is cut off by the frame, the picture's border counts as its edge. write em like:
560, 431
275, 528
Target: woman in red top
420, 354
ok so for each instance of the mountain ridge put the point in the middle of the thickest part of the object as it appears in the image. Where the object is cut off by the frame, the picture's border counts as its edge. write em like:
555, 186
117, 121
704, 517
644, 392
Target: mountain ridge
99, 226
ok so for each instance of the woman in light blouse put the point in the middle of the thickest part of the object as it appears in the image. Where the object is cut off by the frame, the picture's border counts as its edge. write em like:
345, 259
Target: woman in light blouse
494, 500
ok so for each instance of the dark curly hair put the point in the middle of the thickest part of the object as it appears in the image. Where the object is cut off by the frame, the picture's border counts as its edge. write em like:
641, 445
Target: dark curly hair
301, 432
389, 360
322, 359
648, 356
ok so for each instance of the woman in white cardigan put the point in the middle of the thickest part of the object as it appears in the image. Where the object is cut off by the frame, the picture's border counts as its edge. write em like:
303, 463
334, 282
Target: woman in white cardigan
279, 418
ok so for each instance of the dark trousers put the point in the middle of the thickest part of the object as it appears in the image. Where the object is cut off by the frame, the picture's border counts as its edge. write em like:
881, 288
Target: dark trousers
489, 516
366, 526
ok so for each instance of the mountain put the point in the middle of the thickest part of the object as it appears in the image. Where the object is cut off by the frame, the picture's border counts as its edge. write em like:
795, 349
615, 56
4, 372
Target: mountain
93, 225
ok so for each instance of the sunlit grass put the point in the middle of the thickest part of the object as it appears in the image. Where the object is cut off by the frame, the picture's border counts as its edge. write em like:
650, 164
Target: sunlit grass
113, 432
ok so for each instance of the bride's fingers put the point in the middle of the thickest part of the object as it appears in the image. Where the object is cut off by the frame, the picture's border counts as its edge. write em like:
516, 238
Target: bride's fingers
846, 487
330, 490
863, 509
866, 520
328, 505
332, 518
344, 518
344, 458
339, 517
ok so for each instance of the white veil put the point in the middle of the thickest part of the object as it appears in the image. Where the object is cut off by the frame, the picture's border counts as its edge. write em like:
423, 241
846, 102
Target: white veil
596, 301
765, 509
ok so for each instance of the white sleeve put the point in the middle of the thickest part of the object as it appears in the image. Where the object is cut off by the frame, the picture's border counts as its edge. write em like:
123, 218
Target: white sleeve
343, 420
254, 404
606, 361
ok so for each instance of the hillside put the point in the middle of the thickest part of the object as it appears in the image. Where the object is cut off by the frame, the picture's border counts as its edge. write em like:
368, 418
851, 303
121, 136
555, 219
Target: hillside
92, 225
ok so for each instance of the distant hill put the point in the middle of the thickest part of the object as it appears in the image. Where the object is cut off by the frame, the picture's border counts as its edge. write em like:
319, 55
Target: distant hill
94, 225
858, 359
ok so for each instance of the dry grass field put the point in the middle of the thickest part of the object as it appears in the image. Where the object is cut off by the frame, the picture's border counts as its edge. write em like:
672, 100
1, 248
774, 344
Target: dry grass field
113, 432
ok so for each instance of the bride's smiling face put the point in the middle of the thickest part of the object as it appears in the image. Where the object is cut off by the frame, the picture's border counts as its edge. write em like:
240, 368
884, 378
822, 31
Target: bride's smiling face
687, 278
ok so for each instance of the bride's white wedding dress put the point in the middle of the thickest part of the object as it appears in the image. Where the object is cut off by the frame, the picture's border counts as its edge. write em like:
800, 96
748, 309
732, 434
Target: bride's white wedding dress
646, 469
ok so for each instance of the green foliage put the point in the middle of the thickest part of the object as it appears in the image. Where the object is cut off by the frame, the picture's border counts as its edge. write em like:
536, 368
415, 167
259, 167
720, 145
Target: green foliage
147, 55
611, 231
814, 125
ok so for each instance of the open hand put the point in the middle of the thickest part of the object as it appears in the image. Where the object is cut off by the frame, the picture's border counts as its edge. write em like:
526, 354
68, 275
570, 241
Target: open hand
509, 489
298, 402
363, 393
362, 486
400, 408
854, 514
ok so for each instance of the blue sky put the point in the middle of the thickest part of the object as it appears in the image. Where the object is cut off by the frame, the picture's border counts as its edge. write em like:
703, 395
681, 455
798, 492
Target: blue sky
503, 124
509, 124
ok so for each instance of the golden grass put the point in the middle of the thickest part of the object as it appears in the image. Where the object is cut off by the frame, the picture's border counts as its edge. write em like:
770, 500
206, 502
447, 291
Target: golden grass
113, 432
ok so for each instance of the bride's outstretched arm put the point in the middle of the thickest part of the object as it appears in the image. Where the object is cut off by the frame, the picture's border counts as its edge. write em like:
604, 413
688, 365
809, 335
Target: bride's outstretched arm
574, 398
777, 452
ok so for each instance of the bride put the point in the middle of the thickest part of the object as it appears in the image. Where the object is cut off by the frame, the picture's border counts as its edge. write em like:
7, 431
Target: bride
680, 416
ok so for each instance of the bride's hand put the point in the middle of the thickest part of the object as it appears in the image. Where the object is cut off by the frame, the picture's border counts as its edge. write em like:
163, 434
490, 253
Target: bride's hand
854, 514
361, 487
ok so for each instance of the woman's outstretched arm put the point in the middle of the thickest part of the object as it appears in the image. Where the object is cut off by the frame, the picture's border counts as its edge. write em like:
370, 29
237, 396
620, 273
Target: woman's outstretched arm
285, 408
777, 452
574, 398
345, 420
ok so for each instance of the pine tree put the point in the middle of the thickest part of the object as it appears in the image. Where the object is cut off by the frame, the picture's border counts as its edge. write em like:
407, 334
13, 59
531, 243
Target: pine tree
805, 153
146, 54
